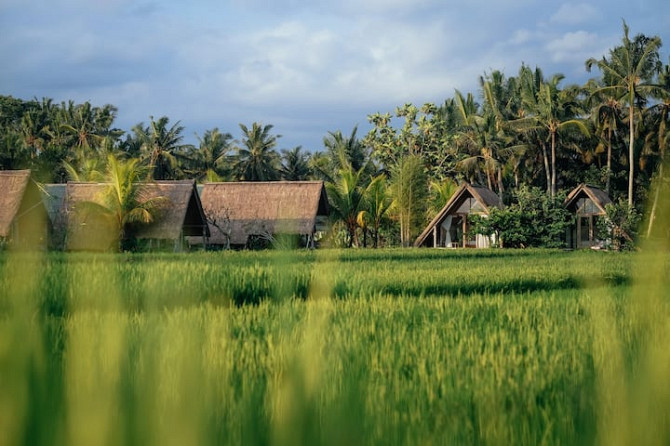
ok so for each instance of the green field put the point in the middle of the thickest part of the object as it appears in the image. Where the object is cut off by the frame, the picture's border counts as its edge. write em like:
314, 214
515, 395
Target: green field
335, 347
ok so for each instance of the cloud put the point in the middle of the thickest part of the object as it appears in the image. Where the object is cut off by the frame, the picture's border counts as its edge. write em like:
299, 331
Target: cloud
575, 14
573, 46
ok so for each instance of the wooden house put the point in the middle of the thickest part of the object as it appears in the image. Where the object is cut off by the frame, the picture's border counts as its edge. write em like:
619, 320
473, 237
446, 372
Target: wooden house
241, 213
179, 215
23, 218
587, 203
450, 227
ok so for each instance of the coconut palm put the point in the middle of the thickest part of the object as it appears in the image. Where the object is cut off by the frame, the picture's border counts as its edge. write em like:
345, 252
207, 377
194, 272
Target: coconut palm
377, 202
627, 75
123, 202
606, 117
207, 162
554, 111
295, 165
346, 200
161, 147
256, 158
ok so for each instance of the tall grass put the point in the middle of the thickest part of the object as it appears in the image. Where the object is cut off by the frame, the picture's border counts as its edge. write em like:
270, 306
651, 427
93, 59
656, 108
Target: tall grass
335, 347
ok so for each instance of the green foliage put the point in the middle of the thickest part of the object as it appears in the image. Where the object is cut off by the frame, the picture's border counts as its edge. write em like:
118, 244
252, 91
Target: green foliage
620, 227
534, 220
409, 188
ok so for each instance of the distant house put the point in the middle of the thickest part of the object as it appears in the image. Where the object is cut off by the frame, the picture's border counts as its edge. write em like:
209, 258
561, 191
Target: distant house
241, 213
450, 228
587, 203
85, 229
23, 217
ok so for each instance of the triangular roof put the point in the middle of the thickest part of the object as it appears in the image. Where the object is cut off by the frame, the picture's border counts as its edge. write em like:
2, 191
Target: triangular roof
248, 208
19, 200
182, 212
484, 196
598, 196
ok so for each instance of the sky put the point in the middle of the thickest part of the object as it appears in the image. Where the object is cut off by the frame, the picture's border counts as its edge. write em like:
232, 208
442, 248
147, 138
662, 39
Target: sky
306, 67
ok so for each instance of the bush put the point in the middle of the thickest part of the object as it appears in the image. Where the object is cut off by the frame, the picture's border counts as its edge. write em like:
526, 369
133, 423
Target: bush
535, 220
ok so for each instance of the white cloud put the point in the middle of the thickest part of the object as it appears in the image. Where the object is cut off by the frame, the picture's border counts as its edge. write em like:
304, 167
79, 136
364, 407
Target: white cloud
575, 14
573, 46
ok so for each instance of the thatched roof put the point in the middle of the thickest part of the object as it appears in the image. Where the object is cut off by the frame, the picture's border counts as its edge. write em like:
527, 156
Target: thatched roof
180, 213
485, 199
241, 209
20, 201
598, 196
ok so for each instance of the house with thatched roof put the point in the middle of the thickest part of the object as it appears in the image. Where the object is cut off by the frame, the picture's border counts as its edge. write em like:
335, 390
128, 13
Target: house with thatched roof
450, 227
240, 213
178, 216
587, 204
23, 218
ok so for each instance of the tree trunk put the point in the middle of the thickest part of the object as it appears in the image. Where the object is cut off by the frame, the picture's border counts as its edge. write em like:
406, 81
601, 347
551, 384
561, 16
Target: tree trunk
652, 214
631, 152
553, 164
501, 189
609, 161
546, 167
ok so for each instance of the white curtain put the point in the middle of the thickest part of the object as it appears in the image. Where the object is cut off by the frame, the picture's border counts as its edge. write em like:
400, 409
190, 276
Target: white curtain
446, 225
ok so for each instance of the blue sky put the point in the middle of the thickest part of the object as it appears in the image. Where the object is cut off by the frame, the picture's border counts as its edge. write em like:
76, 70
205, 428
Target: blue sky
307, 67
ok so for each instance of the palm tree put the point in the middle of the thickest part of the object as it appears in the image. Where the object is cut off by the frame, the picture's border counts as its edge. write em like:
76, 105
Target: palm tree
606, 116
295, 165
123, 202
344, 150
207, 161
377, 203
658, 140
256, 159
627, 75
346, 199
553, 110
161, 147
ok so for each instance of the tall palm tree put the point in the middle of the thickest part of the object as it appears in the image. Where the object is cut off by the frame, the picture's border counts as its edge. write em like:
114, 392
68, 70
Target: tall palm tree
606, 116
161, 147
553, 110
256, 158
346, 199
344, 150
377, 201
207, 162
627, 74
295, 165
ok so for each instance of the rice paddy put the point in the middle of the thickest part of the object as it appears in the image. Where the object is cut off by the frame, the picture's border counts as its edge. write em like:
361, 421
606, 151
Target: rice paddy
335, 347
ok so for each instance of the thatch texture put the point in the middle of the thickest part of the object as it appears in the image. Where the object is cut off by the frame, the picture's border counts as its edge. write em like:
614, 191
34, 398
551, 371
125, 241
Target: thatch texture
598, 200
22, 214
237, 210
179, 213
467, 199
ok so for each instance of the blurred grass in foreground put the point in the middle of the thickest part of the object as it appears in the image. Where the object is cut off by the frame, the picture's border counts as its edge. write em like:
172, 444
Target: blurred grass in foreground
335, 347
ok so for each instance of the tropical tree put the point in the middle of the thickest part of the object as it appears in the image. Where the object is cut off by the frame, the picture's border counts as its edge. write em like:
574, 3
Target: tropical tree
346, 200
161, 147
554, 111
409, 189
376, 202
256, 158
347, 150
606, 115
627, 75
295, 165
207, 162
123, 201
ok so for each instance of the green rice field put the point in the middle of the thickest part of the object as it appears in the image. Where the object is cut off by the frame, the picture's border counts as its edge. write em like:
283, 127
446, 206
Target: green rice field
335, 347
